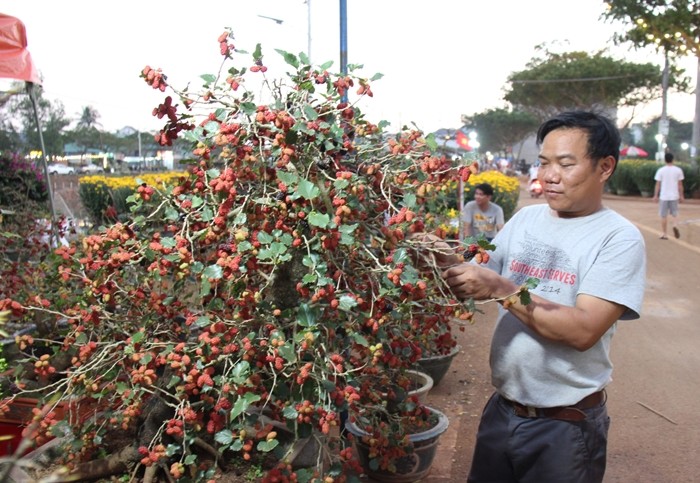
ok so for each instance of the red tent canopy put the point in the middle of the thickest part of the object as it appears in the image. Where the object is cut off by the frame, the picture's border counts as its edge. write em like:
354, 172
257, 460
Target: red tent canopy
15, 61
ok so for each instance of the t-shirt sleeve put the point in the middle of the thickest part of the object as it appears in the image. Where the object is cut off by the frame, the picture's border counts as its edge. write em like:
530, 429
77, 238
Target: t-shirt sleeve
619, 271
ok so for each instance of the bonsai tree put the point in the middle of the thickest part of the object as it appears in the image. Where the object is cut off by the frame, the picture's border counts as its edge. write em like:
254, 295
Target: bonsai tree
240, 311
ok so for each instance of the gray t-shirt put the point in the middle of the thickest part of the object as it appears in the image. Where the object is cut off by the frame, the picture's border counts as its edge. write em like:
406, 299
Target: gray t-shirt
485, 222
602, 255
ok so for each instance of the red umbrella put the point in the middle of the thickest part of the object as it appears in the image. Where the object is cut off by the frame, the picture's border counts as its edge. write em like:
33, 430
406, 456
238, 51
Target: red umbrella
633, 152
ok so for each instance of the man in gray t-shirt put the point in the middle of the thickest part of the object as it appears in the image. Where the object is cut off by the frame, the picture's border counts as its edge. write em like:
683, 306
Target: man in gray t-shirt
481, 216
547, 420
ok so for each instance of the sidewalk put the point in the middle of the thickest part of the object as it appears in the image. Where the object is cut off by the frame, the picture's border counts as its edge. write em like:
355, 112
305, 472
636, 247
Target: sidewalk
466, 387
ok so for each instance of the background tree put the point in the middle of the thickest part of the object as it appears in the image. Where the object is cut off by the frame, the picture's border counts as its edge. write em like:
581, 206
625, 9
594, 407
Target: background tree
499, 129
671, 26
644, 136
87, 134
20, 114
577, 80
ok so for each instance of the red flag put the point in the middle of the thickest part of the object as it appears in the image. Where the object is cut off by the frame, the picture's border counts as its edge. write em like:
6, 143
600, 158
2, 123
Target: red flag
463, 140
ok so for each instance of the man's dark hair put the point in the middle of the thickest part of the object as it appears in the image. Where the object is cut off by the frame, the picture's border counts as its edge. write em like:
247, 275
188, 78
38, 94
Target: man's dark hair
603, 135
485, 188
668, 157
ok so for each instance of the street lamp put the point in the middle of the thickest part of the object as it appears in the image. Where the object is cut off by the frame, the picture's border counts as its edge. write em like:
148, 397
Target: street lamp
661, 146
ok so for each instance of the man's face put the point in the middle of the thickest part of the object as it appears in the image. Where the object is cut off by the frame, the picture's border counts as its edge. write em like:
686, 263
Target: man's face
482, 200
572, 183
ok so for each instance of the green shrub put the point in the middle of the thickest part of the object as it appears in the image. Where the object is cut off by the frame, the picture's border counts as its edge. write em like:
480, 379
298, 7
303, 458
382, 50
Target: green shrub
622, 181
643, 174
96, 197
691, 183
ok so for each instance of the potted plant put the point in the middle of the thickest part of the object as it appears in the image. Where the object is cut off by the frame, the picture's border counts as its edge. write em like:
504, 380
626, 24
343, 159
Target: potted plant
242, 311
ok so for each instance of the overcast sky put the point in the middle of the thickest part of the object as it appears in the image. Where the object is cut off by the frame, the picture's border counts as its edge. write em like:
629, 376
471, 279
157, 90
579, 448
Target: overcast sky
440, 58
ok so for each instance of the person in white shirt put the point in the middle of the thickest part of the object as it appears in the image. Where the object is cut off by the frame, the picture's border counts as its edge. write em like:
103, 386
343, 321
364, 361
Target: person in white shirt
669, 192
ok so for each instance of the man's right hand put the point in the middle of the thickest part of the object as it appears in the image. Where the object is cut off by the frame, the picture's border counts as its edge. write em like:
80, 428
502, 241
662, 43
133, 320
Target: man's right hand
432, 251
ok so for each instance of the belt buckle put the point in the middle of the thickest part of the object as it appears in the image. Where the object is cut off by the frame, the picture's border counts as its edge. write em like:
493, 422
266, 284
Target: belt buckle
531, 412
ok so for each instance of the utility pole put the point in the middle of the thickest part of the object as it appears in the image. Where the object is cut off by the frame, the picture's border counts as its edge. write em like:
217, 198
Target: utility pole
663, 122
344, 40
308, 30
695, 142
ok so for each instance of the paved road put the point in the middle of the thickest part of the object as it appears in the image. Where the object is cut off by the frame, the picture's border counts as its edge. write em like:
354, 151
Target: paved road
654, 398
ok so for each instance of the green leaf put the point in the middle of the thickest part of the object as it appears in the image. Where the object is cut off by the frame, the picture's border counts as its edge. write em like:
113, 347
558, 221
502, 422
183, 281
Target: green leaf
310, 112
197, 202
190, 459
243, 403
267, 446
264, 237
308, 190
340, 184
306, 475
400, 256
409, 200
377, 76
205, 288
289, 412
224, 436
207, 214
208, 78
289, 58
307, 315
531, 283
360, 339
212, 271
135, 338
347, 303
287, 352
241, 371
304, 58
290, 179
257, 53
244, 246
171, 213
347, 229
309, 278
202, 321
212, 128
248, 108
320, 220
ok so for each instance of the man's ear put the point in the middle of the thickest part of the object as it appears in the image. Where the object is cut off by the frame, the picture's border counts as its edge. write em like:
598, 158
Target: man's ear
606, 166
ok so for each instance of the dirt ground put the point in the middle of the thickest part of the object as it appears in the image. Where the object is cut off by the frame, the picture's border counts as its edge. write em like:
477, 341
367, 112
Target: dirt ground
655, 433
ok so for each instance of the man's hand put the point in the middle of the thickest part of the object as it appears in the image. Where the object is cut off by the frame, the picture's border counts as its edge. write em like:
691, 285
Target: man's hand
468, 280
431, 251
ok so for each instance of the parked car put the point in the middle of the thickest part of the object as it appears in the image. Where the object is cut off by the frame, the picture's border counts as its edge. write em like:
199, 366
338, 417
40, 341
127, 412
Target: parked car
56, 168
91, 168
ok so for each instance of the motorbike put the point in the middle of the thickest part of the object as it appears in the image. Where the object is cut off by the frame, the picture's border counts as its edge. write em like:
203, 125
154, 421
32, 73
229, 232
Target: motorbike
535, 188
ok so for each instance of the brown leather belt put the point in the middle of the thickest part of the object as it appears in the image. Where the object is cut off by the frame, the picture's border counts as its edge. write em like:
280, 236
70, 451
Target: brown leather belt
564, 413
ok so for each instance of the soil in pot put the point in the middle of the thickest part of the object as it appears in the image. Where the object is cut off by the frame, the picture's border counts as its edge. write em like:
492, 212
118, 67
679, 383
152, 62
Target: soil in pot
411, 467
